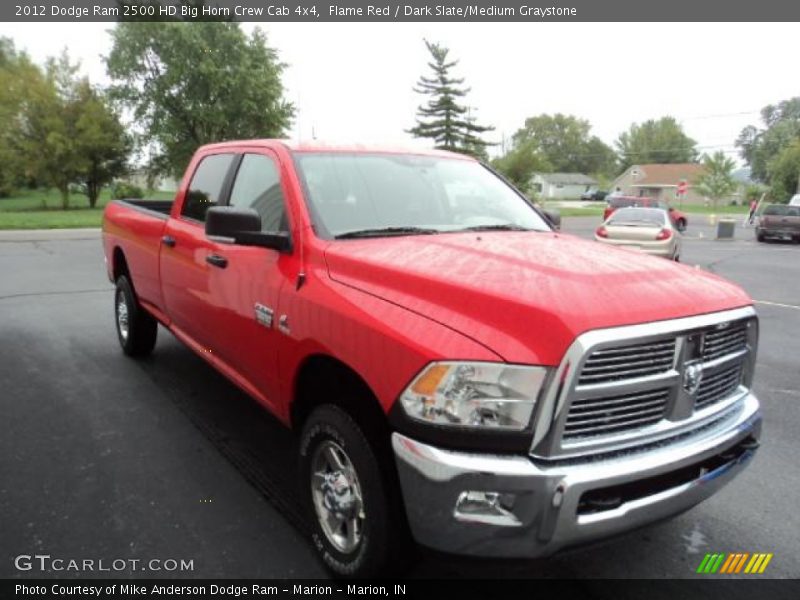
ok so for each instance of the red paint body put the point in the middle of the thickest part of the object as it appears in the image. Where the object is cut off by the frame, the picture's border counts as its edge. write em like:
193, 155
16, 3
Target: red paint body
385, 307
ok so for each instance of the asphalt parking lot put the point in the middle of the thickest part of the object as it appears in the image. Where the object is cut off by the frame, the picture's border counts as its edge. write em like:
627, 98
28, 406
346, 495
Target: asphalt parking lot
105, 457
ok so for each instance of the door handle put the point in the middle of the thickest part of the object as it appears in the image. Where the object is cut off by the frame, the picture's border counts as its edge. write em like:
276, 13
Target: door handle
168, 240
217, 261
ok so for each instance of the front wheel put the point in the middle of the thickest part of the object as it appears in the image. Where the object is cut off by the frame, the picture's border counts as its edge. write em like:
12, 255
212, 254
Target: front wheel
136, 329
347, 499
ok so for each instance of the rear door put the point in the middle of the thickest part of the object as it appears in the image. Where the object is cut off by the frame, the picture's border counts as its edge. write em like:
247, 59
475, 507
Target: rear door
185, 273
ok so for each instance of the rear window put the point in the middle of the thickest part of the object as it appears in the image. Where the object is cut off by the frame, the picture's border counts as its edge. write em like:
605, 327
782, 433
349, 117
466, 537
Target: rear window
636, 216
779, 210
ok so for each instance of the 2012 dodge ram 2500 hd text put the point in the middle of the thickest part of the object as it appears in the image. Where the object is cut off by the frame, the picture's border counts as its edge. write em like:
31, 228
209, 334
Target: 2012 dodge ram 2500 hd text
457, 372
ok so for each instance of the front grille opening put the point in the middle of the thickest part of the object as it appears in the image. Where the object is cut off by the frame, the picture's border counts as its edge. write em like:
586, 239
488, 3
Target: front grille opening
725, 341
718, 386
615, 414
609, 498
627, 362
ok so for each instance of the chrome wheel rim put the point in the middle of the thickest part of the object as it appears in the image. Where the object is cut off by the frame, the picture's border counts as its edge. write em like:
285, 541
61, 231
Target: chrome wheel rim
336, 493
122, 316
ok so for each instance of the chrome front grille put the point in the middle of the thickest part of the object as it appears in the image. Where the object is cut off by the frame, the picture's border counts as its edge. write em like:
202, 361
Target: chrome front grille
718, 386
615, 414
627, 362
627, 386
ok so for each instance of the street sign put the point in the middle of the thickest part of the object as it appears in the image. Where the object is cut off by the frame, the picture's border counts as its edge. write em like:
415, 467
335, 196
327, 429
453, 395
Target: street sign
682, 187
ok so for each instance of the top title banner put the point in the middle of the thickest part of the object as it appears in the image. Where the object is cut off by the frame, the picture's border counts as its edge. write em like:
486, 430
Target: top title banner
407, 10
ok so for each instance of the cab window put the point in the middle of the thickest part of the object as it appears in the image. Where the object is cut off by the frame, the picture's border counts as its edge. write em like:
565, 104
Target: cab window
258, 186
206, 186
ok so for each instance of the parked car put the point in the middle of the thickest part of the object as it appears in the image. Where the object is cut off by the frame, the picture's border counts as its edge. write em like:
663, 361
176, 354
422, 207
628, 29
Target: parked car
454, 369
646, 229
795, 200
594, 195
678, 218
779, 221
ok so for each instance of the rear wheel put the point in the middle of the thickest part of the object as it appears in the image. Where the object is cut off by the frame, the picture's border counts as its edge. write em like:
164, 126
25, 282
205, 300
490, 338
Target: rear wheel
760, 237
136, 329
680, 225
348, 500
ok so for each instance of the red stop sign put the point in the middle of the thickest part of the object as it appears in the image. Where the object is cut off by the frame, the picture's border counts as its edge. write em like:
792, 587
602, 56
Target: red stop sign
682, 185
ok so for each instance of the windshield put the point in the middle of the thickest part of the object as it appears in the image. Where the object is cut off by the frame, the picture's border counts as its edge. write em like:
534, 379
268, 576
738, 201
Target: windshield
649, 217
396, 194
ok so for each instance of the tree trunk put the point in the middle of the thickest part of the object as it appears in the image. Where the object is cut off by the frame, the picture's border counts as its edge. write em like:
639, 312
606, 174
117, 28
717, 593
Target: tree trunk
92, 190
64, 196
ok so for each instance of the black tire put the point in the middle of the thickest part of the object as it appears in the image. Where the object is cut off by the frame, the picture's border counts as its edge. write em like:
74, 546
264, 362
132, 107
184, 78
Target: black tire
760, 237
136, 329
681, 225
381, 534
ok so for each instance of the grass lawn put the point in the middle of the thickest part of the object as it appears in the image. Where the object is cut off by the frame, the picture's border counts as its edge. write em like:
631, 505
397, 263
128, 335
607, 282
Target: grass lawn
41, 209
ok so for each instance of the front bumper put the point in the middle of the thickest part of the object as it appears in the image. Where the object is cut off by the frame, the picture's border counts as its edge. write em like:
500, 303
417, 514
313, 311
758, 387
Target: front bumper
544, 504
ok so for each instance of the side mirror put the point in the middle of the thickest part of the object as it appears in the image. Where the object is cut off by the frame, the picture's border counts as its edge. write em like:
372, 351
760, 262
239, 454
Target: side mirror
243, 226
554, 217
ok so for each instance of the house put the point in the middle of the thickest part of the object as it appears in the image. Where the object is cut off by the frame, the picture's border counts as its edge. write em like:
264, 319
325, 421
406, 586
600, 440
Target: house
562, 185
660, 181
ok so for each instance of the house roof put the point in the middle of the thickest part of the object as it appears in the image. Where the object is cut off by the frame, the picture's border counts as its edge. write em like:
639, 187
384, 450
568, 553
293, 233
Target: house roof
661, 175
567, 178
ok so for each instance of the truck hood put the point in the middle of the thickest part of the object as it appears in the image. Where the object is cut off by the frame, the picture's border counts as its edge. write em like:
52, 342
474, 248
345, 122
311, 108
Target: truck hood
526, 295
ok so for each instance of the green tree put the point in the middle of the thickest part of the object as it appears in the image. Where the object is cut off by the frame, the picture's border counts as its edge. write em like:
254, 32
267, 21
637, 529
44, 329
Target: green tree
785, 172
566, 143
661, 141
716, 181
520, 163
47, 140
760, 147
101, 140
448, 123
18, 75
189, 84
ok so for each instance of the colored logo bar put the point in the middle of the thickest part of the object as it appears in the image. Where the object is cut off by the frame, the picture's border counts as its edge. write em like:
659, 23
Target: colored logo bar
734, 563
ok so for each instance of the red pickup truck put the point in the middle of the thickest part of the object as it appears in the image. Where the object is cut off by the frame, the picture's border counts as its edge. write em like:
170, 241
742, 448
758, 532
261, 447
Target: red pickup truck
458, 372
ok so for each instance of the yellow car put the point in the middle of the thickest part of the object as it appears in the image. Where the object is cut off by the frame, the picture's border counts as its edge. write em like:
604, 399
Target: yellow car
648, 230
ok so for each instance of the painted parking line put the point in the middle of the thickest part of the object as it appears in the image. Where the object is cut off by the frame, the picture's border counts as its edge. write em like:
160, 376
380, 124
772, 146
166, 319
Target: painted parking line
777, 304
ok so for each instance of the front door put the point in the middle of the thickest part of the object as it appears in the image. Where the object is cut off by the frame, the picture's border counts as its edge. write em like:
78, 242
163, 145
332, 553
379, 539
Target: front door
246, 282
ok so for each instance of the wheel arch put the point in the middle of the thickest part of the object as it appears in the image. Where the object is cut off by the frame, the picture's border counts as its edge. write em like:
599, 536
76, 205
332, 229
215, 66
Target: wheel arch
324, 379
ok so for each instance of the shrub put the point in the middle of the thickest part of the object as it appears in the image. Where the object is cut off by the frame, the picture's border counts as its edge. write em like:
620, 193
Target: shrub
125, 189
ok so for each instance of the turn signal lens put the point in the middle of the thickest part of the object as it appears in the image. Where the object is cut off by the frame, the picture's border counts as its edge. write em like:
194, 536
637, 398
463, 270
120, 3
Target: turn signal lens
601, 232
664, 234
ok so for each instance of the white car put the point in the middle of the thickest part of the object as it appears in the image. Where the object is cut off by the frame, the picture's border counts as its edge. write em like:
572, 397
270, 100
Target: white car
648, 230
795, 201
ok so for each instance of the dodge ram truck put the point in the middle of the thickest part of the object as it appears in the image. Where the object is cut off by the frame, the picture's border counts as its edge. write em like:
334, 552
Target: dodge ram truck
459, 374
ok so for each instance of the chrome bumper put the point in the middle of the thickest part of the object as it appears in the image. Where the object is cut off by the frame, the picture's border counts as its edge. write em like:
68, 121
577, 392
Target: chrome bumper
538, 502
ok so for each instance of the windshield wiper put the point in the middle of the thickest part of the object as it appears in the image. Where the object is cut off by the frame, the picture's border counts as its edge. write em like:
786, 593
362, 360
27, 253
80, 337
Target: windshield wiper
385, 231
499, 227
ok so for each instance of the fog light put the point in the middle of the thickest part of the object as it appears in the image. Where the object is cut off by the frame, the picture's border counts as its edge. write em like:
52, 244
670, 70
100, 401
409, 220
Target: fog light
490, 508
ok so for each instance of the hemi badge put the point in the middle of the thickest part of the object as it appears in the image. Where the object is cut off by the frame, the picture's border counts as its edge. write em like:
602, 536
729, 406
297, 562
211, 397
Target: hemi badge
263, 315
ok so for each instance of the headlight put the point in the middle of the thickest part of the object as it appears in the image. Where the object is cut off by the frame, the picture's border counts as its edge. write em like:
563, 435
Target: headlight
474, 394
